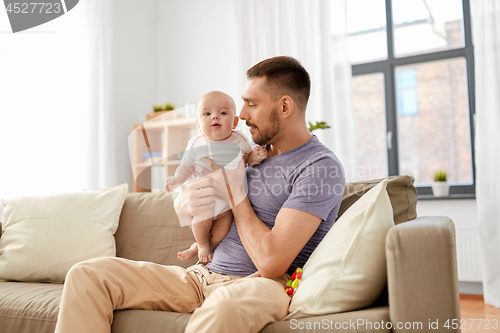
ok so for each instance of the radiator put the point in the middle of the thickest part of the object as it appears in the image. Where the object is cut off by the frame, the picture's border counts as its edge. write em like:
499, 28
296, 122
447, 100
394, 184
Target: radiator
469, 263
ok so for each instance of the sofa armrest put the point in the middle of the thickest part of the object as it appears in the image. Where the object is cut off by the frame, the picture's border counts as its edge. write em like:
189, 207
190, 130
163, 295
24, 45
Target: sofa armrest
422, 274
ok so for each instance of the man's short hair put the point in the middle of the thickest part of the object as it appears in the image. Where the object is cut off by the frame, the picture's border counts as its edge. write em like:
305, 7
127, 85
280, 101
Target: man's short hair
285, 76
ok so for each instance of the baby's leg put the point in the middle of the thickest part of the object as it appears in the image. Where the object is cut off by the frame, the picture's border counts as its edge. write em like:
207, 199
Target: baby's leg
220, 228
201, 232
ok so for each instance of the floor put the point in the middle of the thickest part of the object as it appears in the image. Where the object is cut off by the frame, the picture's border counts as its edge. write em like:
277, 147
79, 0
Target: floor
477, 316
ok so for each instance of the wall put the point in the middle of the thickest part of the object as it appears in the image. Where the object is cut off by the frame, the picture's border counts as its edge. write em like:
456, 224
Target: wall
463, 212
134, 72
198, 51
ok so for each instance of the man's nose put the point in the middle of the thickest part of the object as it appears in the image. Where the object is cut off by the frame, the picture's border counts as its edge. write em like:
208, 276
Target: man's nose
243, 113
216, 116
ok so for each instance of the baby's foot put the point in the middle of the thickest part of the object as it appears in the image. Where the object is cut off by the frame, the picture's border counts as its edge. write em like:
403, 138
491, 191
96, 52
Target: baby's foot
204, 254
189, 253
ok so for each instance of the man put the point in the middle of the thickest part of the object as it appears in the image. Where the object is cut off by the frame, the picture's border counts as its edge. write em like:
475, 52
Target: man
293, 199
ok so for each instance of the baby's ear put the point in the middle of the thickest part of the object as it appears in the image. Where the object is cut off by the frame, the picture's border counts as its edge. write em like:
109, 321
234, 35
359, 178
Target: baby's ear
236, 120
198, 124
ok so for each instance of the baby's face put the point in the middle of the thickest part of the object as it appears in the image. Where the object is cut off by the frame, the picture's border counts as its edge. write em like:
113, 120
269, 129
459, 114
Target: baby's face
216, 117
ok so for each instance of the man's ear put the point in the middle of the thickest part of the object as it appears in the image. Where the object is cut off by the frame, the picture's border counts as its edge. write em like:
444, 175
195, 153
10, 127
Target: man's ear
236, 120
287, 106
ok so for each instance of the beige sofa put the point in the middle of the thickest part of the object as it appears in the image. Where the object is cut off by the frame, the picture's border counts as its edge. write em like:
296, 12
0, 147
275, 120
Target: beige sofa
421, 268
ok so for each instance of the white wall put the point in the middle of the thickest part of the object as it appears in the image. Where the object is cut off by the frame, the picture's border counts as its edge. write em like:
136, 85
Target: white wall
463, 212
198, 51
172, 51
134, 72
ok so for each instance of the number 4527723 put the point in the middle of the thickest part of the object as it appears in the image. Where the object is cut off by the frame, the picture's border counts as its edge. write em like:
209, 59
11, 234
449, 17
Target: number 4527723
34, 7
484, 324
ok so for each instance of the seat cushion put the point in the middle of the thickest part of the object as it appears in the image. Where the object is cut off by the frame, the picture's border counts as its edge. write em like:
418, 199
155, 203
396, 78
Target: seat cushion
29, 307
135, 321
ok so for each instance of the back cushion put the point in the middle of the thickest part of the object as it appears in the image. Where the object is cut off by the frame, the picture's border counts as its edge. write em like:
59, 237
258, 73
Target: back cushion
149, 230
402, 194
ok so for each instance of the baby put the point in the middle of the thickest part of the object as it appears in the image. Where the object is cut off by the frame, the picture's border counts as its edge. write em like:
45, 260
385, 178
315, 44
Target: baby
216, 119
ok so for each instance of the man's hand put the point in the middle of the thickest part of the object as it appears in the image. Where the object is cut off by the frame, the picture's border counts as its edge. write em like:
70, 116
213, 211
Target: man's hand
229, 185
196, 197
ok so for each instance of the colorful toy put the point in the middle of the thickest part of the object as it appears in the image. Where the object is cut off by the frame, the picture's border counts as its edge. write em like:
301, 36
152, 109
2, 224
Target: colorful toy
293, 283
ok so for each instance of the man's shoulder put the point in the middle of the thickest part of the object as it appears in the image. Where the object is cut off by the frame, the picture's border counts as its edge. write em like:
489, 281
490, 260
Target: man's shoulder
318, 161
317, 153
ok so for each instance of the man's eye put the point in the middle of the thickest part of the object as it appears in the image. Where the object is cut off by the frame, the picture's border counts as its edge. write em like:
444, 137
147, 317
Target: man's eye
223, 112
206, 114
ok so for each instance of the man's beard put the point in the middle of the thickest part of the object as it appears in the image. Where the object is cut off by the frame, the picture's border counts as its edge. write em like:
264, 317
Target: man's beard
265, 134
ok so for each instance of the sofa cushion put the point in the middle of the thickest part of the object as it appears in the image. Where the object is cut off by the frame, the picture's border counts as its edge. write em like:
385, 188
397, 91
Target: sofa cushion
43, 236
149, 230
347, 271
402, 194
134, 321
29, 307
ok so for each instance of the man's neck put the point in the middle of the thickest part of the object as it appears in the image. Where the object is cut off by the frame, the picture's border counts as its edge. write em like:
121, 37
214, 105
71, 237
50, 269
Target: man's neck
288, 142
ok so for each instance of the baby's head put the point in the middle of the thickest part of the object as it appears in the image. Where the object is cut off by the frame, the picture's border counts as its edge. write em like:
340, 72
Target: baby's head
216, 115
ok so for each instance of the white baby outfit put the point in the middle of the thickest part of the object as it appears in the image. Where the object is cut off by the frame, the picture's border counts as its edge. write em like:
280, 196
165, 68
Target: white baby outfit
227, 153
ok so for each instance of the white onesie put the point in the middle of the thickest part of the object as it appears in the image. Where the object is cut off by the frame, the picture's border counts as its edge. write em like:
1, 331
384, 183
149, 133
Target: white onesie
227, 153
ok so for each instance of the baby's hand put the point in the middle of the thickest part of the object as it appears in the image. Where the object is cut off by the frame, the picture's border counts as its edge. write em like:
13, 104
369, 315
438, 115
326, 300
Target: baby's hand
260, 153
170, 184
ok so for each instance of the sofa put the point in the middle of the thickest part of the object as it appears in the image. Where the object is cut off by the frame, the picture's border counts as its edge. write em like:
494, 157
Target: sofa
421, 292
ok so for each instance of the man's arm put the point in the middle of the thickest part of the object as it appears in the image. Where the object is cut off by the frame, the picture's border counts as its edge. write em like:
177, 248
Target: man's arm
273, 250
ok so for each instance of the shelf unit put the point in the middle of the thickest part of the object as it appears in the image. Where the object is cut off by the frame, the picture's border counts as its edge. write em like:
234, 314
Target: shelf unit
169, 137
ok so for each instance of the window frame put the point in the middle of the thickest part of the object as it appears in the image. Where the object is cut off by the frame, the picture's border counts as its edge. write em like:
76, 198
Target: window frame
387, 67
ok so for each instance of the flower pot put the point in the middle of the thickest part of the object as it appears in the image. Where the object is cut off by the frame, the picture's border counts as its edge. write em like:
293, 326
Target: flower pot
441, 189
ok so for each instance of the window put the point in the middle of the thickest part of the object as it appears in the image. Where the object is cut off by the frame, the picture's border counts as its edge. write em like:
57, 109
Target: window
413, 90
406, 92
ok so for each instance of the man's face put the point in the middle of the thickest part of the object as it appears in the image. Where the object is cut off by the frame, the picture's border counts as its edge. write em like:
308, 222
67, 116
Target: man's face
216, 117
260, 112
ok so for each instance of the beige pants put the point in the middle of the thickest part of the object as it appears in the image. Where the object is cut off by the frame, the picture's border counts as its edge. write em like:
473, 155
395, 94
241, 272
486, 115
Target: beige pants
96, 287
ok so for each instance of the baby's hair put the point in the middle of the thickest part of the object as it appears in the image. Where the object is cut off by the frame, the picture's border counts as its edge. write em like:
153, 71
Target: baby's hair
220, 93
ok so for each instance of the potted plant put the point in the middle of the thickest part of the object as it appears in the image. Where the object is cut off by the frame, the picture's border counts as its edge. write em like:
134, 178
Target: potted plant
162, 109
318, 125
441, 187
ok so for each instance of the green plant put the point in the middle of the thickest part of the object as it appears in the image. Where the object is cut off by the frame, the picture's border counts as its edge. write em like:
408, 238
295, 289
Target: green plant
169, 107
163, 107
440, 176
318, 125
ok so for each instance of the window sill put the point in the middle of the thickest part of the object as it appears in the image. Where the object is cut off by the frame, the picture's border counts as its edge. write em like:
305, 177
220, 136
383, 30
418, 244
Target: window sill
450, 197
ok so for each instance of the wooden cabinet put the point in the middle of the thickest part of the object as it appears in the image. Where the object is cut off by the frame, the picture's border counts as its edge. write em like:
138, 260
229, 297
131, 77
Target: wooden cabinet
158, 145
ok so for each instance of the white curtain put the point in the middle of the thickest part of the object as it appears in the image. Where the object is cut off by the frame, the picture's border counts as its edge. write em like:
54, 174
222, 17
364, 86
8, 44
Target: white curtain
486, 40
315, 33
101, 158
54, 126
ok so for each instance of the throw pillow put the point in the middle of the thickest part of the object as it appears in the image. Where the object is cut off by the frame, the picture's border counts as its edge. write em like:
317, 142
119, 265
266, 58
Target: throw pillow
347, 271
402, 194
43, 236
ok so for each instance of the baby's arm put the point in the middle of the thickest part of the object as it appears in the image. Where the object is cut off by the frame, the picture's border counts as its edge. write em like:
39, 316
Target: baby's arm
182, 174
257, 155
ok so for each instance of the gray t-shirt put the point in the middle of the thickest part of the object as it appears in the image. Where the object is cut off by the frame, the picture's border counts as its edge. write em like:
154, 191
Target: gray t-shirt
309, 178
